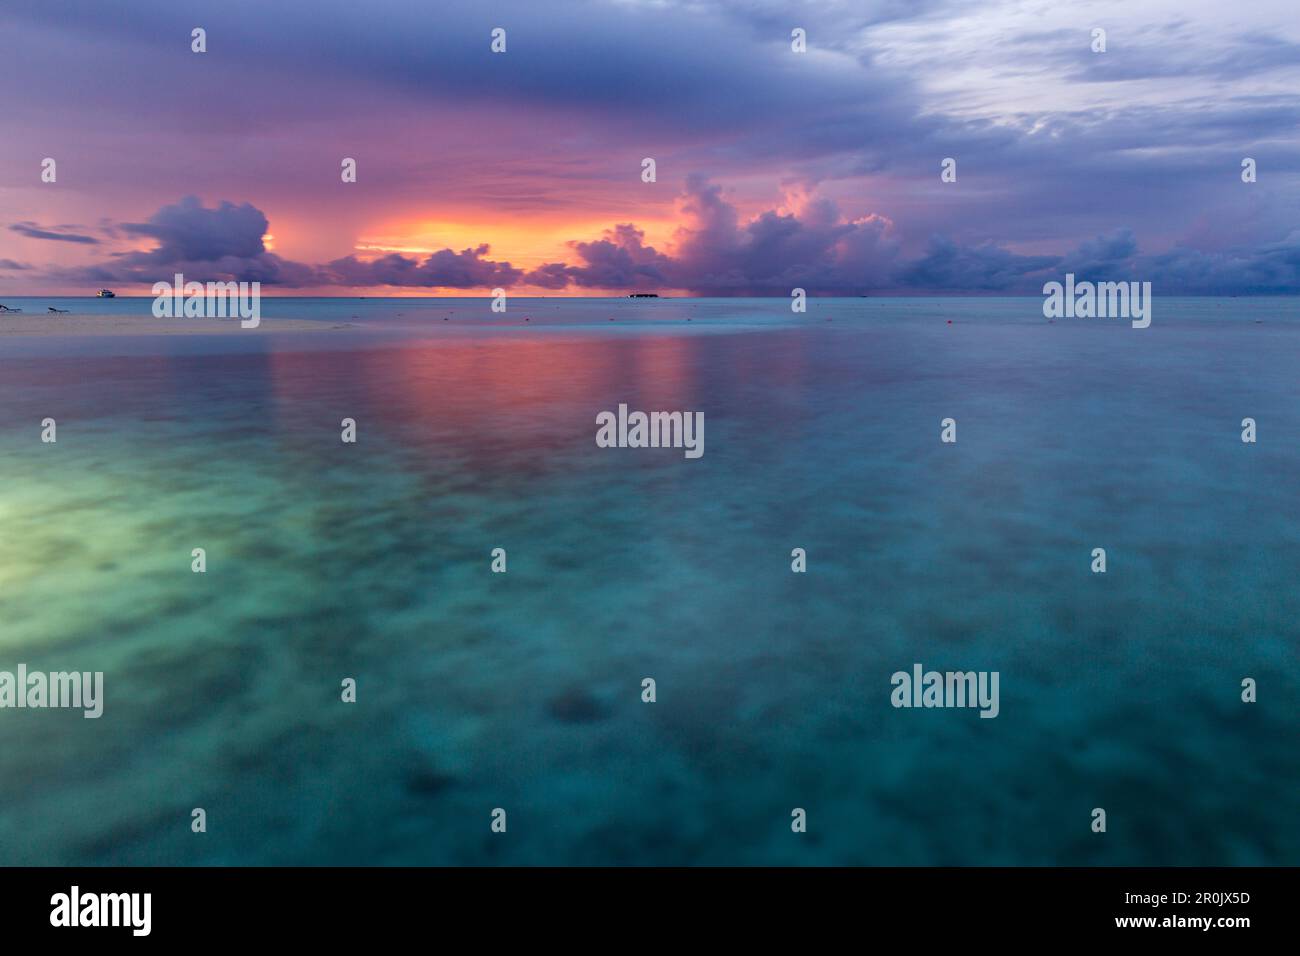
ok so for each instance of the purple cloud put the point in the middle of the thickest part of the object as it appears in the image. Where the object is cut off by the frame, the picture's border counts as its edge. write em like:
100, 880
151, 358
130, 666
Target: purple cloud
225, 242
467, 269
1055, 143
619, 260
33, 231
187, 231
713, 252
985, 267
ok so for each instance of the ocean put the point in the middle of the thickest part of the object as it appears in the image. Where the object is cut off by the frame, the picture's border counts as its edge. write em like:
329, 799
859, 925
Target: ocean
523, 690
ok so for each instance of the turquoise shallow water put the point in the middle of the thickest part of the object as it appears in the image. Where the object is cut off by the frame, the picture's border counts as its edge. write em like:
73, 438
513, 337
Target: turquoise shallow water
522, 690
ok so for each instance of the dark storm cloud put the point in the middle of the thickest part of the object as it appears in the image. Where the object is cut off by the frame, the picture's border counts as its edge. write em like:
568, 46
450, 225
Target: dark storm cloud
716, 87
685, 75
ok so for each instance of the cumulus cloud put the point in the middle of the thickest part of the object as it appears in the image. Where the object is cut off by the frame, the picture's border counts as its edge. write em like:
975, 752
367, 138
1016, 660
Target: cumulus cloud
1102, 257
808, 244
467, 269
619, 260
205, 244
187, 231
947, 266
1273, 269
225, 243
1270, 268
812, 246
714, 252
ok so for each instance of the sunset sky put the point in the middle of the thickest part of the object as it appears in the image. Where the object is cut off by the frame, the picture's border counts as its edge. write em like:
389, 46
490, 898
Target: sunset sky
774, 169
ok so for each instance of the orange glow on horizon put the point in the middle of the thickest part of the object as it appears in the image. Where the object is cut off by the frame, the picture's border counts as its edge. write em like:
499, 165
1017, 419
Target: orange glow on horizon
525, 244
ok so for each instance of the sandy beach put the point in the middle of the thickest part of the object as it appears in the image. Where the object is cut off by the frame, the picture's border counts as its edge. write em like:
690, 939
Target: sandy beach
52, 324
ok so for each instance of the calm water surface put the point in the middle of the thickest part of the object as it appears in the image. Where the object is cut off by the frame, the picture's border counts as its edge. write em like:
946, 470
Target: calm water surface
480, 690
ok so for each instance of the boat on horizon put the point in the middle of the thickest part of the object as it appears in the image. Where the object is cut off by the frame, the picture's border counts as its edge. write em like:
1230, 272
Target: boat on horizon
106, 294
643, 295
